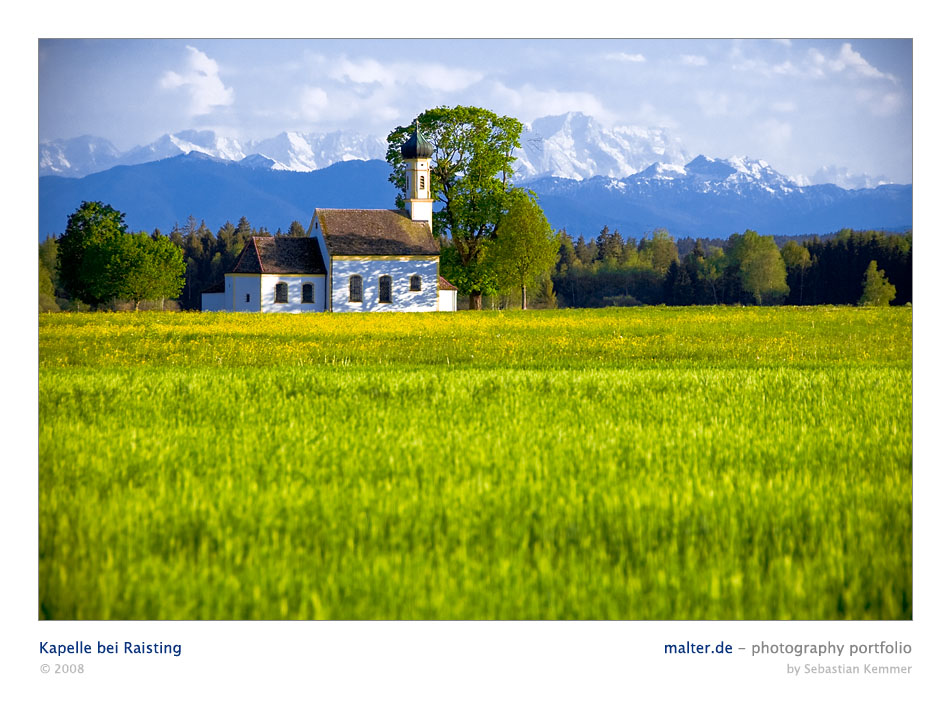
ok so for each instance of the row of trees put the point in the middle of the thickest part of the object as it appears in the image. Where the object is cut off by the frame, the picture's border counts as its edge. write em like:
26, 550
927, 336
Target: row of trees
746, 268
98, 260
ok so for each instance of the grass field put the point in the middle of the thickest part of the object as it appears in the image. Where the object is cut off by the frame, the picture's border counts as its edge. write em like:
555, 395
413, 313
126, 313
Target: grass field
638, 463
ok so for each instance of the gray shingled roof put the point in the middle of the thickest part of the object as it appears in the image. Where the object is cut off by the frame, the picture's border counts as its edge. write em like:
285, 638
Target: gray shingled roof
375, 233
281, 255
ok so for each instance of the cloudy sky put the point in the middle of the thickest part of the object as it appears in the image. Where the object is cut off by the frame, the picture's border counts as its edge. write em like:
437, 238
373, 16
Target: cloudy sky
802, 105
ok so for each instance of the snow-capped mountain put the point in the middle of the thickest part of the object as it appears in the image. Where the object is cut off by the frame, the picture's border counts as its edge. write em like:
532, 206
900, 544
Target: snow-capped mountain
572, 146
201, 141
715, 197
288, 151
77, 156
293, 151
705, 197
706, 174
576, 146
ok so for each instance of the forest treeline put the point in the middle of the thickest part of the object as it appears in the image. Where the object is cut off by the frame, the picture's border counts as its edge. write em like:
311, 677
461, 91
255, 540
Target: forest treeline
608, 270
744, 269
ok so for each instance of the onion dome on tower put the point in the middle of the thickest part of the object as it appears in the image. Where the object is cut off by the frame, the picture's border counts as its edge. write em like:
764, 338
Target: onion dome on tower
416, 147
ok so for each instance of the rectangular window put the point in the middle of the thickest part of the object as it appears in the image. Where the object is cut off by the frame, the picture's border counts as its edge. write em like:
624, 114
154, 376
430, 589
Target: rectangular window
247, 297
280, 293
308, 294
415, 283
386, 289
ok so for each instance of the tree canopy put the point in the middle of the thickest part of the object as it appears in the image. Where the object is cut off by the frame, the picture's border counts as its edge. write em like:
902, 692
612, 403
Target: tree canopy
761, 268
526, 246
99, 260
80, 260
472, 164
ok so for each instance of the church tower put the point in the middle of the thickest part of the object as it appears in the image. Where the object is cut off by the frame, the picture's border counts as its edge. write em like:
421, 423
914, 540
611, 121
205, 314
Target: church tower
416, 153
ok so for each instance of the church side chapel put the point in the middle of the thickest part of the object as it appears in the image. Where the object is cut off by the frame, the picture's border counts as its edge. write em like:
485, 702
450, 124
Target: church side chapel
351, 260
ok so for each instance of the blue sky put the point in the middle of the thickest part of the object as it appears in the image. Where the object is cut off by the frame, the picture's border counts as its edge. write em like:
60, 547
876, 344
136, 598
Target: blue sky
801, 105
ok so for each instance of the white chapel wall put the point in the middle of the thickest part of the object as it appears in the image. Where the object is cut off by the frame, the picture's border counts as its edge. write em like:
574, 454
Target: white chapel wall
213, 302
295, 292
399, 269
243, 292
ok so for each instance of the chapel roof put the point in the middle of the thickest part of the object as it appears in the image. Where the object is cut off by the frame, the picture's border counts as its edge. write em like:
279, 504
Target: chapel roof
281, 255
375, 233
445, 285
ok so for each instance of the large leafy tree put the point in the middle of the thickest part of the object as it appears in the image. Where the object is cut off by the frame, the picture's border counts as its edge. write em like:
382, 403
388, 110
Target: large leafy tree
79, 261
526, 246
760, 266
146, 268
472, 166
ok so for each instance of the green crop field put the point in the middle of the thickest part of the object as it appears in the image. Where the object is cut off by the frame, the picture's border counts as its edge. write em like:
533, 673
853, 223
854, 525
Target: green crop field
636, 463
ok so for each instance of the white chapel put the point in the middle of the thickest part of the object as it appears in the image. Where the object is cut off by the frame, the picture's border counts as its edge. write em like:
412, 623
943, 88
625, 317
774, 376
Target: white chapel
351, 260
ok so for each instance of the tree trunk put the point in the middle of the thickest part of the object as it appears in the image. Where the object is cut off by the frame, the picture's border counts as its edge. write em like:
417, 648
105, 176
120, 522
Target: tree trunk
475, 301
136, 305
524, 298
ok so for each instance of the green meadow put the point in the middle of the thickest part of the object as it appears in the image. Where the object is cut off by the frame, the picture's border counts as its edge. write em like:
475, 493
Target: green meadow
626, 463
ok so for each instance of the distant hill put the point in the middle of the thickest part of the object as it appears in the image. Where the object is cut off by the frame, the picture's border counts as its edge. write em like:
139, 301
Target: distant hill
161, 193
716, 197
705, 197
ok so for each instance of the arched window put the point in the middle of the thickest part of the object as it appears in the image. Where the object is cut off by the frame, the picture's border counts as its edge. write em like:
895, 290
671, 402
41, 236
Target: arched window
307, 295
386, 289
415, 283
280, 293
356, 289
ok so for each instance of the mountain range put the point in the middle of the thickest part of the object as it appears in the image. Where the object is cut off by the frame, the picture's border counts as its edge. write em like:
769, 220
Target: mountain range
585, 175
705, 197
572, 146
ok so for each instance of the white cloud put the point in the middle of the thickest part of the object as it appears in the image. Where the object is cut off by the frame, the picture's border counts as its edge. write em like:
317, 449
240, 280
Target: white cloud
714, 104
783, 106
313, 102
849, 59
431, 75
693, 60
847, 62
201, 82
773, 135
844, 178
529, 103
786, 68
881, 104
623, 56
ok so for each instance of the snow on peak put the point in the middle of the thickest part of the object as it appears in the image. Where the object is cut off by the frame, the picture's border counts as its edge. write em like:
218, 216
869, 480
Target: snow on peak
575, 146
